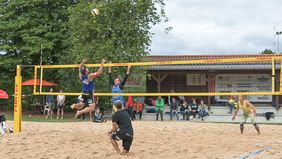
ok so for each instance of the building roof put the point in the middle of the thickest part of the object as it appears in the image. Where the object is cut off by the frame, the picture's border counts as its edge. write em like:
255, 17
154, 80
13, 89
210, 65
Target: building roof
256, 65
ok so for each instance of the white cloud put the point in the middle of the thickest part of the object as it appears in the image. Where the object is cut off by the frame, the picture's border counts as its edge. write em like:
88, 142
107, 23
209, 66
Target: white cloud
218, 27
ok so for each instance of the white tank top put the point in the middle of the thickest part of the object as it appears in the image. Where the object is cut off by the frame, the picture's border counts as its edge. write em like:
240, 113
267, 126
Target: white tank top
61, 98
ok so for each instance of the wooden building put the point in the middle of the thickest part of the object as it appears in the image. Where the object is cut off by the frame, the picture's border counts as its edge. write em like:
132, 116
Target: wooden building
221, 77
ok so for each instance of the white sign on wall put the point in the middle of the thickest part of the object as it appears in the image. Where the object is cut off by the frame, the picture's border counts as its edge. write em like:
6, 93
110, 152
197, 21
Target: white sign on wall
244, 83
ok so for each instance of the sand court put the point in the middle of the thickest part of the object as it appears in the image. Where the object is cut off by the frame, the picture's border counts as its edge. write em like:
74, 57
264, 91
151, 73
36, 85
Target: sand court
152, 140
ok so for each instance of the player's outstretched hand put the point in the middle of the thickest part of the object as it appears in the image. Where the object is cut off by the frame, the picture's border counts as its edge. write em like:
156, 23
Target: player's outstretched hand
103, 61
84, 61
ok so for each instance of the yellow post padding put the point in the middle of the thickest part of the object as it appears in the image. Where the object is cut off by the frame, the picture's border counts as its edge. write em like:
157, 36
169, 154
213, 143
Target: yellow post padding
18, 101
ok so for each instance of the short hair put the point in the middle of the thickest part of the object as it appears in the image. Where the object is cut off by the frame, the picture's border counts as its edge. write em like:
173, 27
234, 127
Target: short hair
118, 105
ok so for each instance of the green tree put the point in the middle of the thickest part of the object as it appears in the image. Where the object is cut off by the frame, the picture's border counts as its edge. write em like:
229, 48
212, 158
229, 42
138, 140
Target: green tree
26, 28
120, 33
267, 51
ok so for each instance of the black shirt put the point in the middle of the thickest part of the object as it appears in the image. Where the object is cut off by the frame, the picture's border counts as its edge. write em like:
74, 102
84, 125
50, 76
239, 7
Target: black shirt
183, 107
174, 106
194, 107
122, 118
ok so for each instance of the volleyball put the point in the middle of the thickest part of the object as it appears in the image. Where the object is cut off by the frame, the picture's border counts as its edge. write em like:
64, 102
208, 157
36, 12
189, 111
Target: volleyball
95, 12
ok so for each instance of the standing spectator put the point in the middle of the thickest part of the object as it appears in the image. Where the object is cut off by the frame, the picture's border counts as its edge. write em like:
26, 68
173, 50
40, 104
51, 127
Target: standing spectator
184, 110
231, 104
174, 109
51, 103
129, 107
159, 108
139, 108
60, 105
194, 109
203, 110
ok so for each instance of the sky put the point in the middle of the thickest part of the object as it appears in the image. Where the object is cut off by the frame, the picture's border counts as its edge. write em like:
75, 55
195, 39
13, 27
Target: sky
218, 27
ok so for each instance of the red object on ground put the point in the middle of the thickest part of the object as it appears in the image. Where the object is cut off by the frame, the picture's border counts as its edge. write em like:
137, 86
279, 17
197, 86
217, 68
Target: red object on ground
3, 95
44, 83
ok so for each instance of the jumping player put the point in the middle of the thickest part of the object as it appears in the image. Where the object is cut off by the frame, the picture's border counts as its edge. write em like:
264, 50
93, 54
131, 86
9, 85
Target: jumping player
118, 86
88, 87
249, 111
121, 120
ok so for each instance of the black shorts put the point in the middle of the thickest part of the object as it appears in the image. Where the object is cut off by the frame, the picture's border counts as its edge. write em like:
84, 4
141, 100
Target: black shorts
87, 98
126, 139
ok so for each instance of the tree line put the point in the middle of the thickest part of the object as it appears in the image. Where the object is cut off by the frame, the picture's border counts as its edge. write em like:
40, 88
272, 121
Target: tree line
65, 32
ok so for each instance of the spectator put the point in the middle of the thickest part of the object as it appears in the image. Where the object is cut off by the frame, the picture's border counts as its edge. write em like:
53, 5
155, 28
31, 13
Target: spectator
139, 108
3, 126
99, 105
184, 110
203, 111
129, 107
174, 109
231, 104
141, 100
51, 103
182, 99
159, 108
60, 105
194, 109
98, 117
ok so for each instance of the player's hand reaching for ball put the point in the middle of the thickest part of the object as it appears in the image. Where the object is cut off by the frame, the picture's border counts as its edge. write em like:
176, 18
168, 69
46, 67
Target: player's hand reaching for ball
84, 61
103, 61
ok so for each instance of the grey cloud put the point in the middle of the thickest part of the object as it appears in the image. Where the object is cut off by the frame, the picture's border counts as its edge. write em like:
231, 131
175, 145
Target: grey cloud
219, 26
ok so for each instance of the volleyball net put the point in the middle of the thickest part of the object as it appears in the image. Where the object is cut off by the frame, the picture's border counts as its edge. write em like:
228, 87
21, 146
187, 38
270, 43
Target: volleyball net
274, 61
267, 85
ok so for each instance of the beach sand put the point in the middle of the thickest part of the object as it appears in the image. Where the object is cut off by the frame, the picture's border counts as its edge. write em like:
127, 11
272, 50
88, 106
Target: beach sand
152, 140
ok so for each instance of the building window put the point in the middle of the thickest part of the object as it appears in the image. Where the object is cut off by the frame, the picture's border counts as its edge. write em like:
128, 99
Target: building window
196, 79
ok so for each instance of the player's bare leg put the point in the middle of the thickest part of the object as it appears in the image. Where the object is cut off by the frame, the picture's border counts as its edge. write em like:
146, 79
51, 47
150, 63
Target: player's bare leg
91, 108
257, 128
115, 144
78, 106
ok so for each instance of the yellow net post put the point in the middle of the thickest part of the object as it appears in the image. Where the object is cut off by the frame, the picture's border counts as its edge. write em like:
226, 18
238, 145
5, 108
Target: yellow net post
273, 74
35, 79
41, 77
280, 90
18, 101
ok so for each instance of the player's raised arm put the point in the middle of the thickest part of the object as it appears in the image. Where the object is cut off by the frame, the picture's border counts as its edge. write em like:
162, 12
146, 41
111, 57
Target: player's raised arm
82, 64
99, 72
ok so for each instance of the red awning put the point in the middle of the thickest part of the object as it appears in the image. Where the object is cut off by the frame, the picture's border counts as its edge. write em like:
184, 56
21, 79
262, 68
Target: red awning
3, 95
44, 83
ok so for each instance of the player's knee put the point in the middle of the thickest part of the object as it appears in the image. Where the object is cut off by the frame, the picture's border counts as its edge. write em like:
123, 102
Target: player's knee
241, 126
255, 125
